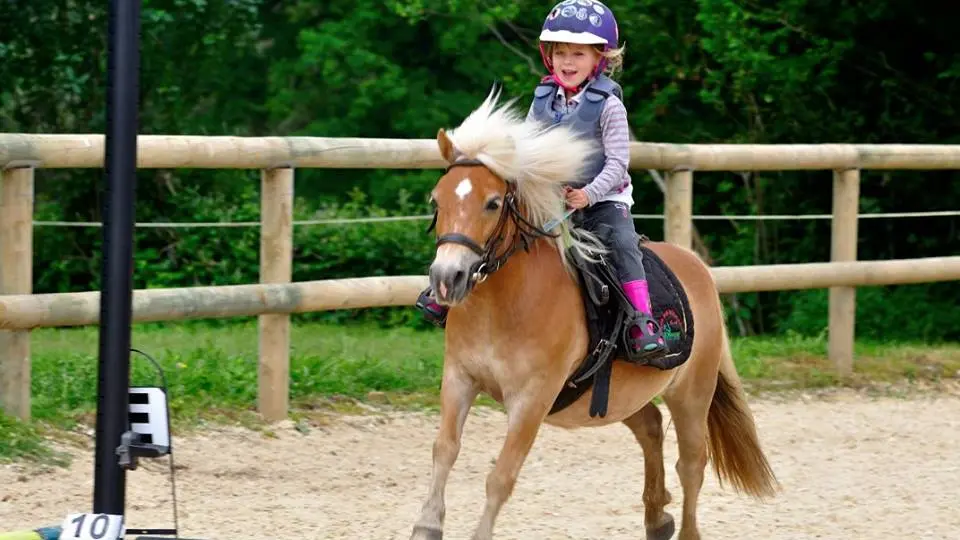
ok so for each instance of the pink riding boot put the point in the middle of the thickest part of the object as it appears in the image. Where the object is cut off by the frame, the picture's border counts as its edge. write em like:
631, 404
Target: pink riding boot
645, 333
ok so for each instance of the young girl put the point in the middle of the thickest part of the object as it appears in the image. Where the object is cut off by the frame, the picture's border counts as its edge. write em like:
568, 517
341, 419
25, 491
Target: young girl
578, 45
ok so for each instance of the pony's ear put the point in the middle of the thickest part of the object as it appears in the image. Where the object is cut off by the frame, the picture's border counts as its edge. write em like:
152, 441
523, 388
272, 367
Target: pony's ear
446, 147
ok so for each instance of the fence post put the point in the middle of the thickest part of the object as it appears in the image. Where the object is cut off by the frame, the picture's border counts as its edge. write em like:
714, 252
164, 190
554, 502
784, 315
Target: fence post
843, 247
678, 208
276, 266
16, 277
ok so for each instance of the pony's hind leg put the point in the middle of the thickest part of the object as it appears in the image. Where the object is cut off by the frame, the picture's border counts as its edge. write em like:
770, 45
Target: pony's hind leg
690, 418
457, 394
647, 427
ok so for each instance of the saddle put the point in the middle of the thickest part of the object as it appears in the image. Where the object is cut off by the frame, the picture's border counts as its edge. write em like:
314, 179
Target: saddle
607, 312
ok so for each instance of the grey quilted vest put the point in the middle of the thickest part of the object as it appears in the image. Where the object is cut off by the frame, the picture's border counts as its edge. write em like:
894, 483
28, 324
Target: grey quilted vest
584, 118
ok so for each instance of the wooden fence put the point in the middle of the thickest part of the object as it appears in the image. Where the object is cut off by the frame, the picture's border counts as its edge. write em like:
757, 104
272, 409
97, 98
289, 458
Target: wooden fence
275, 297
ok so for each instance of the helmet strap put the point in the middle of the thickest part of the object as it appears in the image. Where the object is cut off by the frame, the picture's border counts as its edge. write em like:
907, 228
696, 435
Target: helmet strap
546, 61
601, 65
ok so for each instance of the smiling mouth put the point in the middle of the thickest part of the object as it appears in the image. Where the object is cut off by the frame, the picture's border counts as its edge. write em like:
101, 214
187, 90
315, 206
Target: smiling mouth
568, 73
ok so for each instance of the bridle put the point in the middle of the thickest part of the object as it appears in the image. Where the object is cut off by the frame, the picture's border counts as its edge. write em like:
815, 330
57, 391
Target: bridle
490, 261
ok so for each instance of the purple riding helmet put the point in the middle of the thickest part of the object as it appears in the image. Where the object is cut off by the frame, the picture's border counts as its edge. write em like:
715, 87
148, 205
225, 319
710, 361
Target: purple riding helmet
588, 22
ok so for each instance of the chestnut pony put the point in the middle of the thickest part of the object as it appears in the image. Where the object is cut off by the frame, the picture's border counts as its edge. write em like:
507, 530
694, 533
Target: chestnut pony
516, 328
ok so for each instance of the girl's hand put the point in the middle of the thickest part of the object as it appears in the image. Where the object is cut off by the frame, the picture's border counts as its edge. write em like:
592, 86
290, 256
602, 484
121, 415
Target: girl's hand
577, 198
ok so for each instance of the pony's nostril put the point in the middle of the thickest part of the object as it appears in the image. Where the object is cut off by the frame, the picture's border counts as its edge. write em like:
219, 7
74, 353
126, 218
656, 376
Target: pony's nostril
459, 277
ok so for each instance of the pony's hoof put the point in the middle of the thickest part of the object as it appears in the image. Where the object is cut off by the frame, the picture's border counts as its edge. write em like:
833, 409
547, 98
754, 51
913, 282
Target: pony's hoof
664, 531
428, 533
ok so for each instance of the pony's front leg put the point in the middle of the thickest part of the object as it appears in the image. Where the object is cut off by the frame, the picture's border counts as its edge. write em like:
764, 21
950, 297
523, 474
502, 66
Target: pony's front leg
525, 413
457, 393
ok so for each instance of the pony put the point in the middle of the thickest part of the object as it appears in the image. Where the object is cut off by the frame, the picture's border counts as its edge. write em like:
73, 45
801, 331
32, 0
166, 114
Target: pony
515, 328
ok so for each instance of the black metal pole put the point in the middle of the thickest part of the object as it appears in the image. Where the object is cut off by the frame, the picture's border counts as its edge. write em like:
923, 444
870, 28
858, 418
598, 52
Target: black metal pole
120, 162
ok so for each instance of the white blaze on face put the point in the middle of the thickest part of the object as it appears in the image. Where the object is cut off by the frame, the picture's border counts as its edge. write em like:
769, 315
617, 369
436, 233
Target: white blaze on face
464, 188
453, 257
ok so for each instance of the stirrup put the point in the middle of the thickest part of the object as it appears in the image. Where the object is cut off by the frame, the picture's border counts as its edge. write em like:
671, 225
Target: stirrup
648, 345
432, 311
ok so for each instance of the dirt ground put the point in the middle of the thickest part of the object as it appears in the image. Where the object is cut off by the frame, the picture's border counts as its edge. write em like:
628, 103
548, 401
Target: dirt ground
851, 467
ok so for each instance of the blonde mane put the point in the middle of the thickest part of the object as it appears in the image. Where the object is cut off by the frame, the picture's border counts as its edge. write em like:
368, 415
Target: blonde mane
537, 160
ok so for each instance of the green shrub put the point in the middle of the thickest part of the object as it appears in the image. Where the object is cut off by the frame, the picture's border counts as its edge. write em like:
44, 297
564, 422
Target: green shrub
202, 256
922, 312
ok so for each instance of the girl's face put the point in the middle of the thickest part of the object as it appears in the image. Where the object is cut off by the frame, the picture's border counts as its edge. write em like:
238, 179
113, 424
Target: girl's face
574, 62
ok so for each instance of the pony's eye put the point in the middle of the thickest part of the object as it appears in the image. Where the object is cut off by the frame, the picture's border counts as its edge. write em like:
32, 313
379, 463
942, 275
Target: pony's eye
493, 204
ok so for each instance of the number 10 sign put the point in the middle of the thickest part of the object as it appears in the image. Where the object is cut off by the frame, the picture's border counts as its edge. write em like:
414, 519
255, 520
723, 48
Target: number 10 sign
92, 527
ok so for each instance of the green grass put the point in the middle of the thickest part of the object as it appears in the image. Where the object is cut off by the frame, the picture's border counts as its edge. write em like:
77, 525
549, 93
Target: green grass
211, 371
794, 361
213, 368
19, 440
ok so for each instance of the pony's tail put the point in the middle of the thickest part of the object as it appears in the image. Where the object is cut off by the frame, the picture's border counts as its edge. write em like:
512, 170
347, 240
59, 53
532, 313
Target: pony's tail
732, 435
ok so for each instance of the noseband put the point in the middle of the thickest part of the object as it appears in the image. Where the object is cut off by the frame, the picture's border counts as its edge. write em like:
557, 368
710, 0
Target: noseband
524, 233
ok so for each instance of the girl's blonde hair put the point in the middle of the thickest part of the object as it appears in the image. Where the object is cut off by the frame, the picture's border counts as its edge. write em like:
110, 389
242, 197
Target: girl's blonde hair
614, 56
614, 59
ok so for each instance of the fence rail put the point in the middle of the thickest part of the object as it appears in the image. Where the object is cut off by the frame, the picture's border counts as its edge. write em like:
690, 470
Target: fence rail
275, 297
29, 311
223, 152
388, 219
